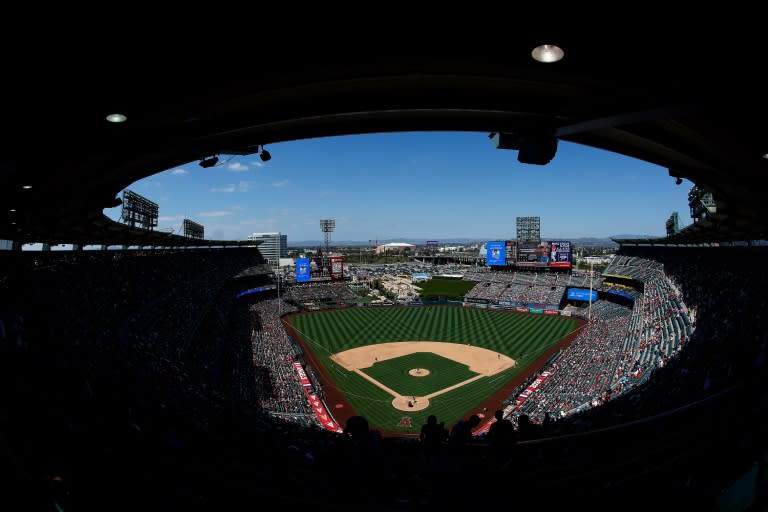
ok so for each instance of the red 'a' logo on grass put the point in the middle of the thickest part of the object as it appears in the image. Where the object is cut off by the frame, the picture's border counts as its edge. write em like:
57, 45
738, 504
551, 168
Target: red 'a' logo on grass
405, 421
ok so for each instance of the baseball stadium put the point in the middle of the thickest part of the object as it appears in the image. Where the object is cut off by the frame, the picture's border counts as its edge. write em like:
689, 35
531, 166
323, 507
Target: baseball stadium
403, 364
150, 362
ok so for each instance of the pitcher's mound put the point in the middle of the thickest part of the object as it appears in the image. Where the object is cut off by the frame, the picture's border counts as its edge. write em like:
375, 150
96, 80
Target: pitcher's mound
407, 403
418, 372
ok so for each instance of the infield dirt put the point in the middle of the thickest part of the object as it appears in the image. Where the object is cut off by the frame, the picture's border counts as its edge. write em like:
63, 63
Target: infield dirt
480, 360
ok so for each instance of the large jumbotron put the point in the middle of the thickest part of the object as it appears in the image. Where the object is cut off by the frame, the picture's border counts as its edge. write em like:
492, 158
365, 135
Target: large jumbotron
168, 374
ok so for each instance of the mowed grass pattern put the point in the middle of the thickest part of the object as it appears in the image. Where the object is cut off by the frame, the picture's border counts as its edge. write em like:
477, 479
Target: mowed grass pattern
443, 372
520, 336
445, 287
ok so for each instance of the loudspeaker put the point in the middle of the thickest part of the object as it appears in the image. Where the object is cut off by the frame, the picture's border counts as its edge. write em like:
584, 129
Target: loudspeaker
537, 149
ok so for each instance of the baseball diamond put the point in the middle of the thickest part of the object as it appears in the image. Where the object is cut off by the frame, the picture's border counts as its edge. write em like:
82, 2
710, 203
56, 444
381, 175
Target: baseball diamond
480, 360
443, 360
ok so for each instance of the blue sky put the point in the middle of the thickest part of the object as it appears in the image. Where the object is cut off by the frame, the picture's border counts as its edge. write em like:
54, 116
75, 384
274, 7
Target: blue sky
433, 185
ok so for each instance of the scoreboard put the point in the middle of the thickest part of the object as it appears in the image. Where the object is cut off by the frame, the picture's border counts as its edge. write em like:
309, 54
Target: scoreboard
550, 254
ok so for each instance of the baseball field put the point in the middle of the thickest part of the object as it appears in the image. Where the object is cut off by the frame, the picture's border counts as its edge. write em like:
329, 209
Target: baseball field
397, 365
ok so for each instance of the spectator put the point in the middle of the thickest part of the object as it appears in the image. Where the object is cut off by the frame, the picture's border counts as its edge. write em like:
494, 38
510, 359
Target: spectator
502, 438
432, 437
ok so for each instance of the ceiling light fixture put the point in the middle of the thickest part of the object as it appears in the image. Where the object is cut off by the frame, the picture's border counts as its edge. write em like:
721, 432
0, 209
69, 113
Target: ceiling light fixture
537, 149
26, 187
264, 155
547, 53
116, 118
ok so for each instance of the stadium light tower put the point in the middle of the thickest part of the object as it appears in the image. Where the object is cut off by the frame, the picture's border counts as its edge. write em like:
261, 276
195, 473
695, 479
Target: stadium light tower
529, 229
327, 226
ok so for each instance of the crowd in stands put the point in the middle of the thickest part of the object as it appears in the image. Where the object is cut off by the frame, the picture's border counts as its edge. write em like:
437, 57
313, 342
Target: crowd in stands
524, 287
277, 386
698, 327
143, 310
584, 369
321, 291
131, 378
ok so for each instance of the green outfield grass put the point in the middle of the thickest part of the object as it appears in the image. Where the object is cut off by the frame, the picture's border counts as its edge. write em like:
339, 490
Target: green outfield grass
448, 288
522, 337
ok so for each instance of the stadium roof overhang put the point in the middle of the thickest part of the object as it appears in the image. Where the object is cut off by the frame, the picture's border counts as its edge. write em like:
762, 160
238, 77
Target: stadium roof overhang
693, 116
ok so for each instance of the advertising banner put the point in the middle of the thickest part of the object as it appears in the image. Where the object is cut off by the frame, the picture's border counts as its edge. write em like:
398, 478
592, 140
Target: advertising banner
302, 375
511, 251
321, 413
337, 267
249, 291
495, 253
560, 254
302, 270
581, 294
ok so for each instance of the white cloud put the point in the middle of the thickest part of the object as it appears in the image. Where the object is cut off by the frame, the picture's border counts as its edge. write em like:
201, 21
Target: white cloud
237, 167
220, 231
236, 208
215, 213
245, 186
281, 183
285, 212
256, 163
259, 222
170, 218
179, 172
228, 188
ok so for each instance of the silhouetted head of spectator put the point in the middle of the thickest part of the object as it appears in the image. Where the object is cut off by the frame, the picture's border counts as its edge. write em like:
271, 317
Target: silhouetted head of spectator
499, 415
474, 420
357, 427
431, 419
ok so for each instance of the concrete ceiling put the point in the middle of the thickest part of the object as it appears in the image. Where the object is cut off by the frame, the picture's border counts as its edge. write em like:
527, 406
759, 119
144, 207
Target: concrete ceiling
689, 106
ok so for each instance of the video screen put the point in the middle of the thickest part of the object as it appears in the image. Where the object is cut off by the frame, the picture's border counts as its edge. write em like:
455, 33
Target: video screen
581, 294
495, 253
302, 270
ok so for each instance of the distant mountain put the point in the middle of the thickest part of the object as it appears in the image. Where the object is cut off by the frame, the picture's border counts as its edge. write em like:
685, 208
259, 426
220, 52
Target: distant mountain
593, 242
635, 236
367, 243
583, 241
